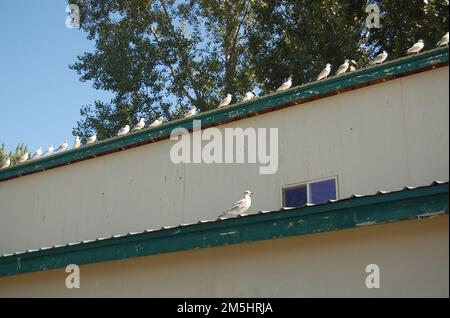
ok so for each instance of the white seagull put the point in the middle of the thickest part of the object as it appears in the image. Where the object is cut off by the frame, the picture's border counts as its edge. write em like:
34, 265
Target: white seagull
343, 68
5, 163
380, 58
124, 130
191, 112
353, 65
157, 122
325, 72
248, 96
139, 125
37, 153
63, 146
226, 101
24, 157
76, 143
443, 41
416, 48
240, 206
91, 139
286, 85
49, 150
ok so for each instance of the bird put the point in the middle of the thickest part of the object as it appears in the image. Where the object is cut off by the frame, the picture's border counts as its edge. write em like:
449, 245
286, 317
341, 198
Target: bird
49, 150
443, 41
248, 96
240, 206
124, 130
37, 153
139, 125
63, 146
190, 112
5, 163
325, 72
353, 65
157, 122
24, 157
343, 68
226, 101
91, 139
380, 58
76, 143
286, 85
416, 48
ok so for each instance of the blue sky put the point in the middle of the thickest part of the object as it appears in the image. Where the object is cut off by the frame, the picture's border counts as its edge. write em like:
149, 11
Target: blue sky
40, 97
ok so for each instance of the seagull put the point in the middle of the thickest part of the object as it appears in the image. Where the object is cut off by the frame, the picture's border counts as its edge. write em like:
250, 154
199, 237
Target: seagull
343, 68
49, 151
63, 146
37, 153
91, 139
416, 48
157, 122
286, 85
353, 65
139, 125
5, 163
240, 206
380, 58
76, 143
226, 101
24, 157
124, 130
248, 96
443, 41
325, 72
191, 112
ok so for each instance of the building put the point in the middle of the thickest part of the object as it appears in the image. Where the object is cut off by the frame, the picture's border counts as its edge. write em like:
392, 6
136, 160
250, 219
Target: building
139, 224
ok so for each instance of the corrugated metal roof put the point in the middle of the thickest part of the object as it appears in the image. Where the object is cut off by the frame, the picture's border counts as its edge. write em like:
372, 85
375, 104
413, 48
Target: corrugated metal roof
283, 209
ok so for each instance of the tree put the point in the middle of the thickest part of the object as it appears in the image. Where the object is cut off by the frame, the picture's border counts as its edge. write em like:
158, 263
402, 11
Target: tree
159, 57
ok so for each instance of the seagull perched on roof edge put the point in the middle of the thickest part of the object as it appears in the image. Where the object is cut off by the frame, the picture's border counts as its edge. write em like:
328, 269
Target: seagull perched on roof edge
24, 157
5, 163
416, 48
380, 58
37, 153
325, 72
226, 101
343, 68
248, 96
443, 41
139, 125
353, 65
49, 151
63, 146
76, 143
124, 130
157, 122
91, 139
190, 112
286, 85
240, 206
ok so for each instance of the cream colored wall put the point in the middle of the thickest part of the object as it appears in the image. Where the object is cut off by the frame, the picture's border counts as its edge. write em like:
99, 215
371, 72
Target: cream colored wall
381, 137
413, 257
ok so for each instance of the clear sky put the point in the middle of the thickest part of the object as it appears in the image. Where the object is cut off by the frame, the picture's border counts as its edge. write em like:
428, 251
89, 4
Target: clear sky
40, 97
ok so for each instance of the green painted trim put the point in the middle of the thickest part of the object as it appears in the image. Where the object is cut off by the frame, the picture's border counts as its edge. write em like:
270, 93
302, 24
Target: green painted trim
343, 214
363, 77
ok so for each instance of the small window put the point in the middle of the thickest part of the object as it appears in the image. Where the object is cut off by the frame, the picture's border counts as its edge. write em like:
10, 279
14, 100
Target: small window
311, 192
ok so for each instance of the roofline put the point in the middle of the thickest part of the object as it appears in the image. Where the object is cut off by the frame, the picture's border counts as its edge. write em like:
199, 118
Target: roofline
297, 95
383, 207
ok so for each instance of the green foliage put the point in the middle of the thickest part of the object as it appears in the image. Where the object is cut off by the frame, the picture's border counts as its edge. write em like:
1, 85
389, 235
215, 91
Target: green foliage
159, 57
15, 155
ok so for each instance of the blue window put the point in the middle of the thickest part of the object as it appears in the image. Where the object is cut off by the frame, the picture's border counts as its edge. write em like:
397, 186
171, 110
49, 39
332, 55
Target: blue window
311, 192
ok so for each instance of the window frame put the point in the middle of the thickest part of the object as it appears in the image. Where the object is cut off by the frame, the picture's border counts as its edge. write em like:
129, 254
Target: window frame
307, 184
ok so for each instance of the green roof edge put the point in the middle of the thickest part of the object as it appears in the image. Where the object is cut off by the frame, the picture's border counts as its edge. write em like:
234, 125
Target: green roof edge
314, 90
344, 214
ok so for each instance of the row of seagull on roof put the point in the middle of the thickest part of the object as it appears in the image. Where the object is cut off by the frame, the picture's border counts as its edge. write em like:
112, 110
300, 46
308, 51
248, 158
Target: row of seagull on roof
349, 65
